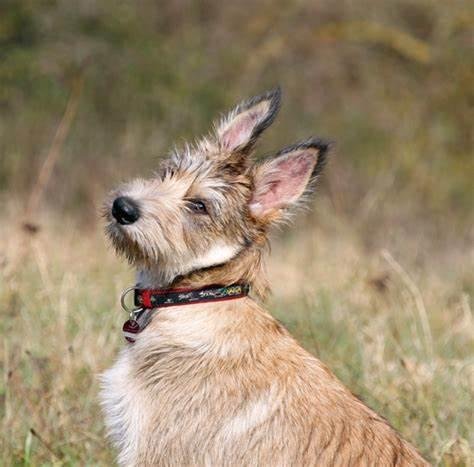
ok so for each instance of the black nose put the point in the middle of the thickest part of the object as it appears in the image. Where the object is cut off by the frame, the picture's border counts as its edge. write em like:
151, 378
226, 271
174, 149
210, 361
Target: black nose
125, 210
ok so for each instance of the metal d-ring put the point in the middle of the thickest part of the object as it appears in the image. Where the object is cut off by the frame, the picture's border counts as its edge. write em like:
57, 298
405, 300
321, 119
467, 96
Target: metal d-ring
131, 311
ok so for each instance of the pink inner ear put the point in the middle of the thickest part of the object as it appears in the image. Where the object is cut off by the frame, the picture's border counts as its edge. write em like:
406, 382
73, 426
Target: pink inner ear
240, 131
282, 182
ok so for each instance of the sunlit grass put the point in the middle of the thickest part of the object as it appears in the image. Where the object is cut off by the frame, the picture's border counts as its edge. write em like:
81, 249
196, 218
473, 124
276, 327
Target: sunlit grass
378, 283
61, 327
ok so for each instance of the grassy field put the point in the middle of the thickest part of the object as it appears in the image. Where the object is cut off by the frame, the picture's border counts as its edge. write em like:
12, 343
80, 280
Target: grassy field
377, 279
398, 332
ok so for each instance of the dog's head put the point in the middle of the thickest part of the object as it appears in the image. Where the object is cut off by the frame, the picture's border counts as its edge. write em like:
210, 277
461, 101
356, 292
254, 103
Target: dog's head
209, 202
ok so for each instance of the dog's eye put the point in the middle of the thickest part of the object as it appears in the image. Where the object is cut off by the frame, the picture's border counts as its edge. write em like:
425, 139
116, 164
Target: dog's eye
197, 206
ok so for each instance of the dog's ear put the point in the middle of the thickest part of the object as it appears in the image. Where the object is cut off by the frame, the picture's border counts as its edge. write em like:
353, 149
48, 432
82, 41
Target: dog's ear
280, 182
240, 128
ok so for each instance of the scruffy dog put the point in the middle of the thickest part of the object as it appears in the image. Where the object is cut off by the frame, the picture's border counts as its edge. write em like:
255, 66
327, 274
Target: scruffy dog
208, 377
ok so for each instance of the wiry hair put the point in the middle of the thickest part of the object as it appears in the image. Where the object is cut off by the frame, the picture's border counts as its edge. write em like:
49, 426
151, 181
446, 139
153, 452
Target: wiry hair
171, 245
219, 383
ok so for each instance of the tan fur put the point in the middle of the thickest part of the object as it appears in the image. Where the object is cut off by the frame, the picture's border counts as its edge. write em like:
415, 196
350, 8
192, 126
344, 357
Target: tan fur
224, 383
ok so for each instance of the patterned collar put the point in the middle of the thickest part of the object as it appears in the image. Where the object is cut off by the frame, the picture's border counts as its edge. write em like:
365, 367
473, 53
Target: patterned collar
148, 301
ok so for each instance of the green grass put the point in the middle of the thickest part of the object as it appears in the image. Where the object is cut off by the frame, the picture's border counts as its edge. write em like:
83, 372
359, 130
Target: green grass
378, 282
352, 308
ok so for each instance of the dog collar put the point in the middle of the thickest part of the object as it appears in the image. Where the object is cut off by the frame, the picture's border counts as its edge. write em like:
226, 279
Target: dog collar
148, 301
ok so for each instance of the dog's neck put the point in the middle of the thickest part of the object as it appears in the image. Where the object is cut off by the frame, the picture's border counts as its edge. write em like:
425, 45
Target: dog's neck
247, 267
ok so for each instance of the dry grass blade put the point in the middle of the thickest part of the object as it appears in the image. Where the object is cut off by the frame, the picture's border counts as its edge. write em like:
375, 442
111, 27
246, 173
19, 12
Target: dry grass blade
417, 297
28, 225
45, 444
52, 157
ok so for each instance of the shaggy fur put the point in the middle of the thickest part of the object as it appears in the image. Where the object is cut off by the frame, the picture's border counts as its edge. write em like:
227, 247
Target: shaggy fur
224, 383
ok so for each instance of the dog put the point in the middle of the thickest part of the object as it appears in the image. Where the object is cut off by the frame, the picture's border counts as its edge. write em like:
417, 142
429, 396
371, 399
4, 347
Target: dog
208, 376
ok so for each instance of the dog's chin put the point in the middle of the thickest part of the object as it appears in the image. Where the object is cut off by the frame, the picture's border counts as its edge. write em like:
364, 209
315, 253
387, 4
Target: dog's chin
124, 245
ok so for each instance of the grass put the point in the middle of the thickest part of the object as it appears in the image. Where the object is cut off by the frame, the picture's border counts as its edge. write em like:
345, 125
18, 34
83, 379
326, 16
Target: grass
378, 282
400, 338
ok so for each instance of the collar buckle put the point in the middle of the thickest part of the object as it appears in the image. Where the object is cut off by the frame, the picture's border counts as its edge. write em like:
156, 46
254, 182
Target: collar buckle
131, 311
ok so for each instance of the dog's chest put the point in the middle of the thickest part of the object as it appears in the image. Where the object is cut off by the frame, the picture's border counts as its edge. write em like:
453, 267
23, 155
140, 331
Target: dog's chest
182, 393
124, 408
150, 410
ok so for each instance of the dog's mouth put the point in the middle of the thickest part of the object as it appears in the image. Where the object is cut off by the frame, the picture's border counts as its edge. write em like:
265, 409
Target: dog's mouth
123, 243
132, 243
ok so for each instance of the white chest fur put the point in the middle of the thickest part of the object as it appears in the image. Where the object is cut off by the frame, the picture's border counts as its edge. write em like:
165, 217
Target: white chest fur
122, 403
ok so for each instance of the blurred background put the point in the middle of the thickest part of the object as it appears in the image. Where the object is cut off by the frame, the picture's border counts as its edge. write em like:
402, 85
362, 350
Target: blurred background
377, 280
